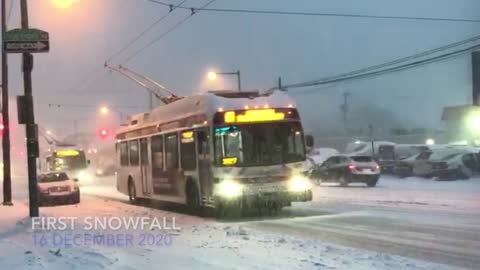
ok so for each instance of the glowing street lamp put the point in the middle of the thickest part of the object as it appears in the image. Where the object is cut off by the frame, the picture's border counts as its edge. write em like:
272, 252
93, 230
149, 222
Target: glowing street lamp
473, 122
104, 110
63, 3
212, 75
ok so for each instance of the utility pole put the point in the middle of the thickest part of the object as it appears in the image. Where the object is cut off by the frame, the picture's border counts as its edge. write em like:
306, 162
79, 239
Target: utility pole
344, 108
31, 130
7, 180
280, 86
239, 81
370, 132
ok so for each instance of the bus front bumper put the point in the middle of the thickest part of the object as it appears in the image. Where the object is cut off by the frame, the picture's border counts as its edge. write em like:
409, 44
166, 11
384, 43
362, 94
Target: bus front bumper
284, 198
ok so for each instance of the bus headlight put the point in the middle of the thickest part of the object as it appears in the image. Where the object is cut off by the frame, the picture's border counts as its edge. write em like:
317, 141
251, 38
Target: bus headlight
299, 183
229, 189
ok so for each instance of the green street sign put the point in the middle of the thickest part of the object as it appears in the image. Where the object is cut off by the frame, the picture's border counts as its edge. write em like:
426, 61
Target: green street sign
26, 40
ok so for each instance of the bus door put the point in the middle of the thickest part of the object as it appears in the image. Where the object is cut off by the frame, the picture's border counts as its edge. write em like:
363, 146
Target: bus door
204, 163
144, 166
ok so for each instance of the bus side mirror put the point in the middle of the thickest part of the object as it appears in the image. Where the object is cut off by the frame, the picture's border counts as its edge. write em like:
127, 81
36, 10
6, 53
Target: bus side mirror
309, 140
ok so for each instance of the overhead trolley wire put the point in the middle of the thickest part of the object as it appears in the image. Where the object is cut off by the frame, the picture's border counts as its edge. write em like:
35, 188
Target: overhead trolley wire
322, 14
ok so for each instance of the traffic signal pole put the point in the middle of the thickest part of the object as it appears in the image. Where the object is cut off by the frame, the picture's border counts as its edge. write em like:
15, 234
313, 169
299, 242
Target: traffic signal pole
31, 130
7, 181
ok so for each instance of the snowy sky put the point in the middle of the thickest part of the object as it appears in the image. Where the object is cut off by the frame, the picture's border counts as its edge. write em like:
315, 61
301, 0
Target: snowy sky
263, 47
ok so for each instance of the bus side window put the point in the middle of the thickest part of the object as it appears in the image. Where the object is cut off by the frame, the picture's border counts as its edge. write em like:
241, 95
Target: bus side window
50, 164
144, 152
157, 156
202, 143
134, 159
171, 151
187, 151
123, 154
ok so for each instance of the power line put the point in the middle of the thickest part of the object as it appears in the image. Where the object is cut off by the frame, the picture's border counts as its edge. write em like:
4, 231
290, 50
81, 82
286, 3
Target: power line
86, 80
90, 77
58, 105
274, 12
389, 70
394, 62
178, 24
131, 42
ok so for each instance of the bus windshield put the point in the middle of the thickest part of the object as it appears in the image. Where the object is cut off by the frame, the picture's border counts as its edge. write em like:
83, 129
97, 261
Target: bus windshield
70, 162
259, 144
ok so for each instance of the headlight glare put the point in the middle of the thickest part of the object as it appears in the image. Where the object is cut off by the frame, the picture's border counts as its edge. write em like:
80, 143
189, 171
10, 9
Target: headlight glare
83, 176
299, 183
229, 189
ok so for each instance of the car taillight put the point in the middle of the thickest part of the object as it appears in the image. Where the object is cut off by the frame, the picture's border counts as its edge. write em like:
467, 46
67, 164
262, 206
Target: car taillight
352, 167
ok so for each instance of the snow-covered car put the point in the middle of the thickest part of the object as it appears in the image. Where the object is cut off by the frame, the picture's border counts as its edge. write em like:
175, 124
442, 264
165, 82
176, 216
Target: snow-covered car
382, 151
404, 167
406, 155
348, 169
461, 165
57, 188
403, 154
319, 155
443, 162
403, 151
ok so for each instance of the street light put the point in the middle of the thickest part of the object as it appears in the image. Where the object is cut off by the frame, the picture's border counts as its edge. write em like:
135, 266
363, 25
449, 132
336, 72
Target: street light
63, 3
212, 75
104, 110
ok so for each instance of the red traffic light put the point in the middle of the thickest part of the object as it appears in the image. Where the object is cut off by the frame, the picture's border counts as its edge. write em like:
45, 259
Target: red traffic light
103, 133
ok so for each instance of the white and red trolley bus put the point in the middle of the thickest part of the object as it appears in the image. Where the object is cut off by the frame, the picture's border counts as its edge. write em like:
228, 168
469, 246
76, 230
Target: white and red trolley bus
217, 149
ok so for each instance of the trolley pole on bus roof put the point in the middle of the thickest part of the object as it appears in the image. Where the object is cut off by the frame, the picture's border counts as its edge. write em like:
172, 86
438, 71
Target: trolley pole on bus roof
7, 180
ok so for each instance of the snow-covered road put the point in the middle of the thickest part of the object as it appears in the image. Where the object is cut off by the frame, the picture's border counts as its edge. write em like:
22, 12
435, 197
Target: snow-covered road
401, 224
419, 218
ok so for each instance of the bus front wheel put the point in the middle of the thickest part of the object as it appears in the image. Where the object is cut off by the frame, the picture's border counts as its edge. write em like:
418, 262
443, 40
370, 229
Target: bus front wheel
193, 199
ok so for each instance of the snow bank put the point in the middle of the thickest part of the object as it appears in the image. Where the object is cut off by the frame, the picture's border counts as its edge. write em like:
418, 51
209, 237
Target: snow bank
201, 244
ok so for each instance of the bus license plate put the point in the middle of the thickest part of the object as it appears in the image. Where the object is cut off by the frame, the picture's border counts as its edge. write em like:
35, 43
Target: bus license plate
256, 189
